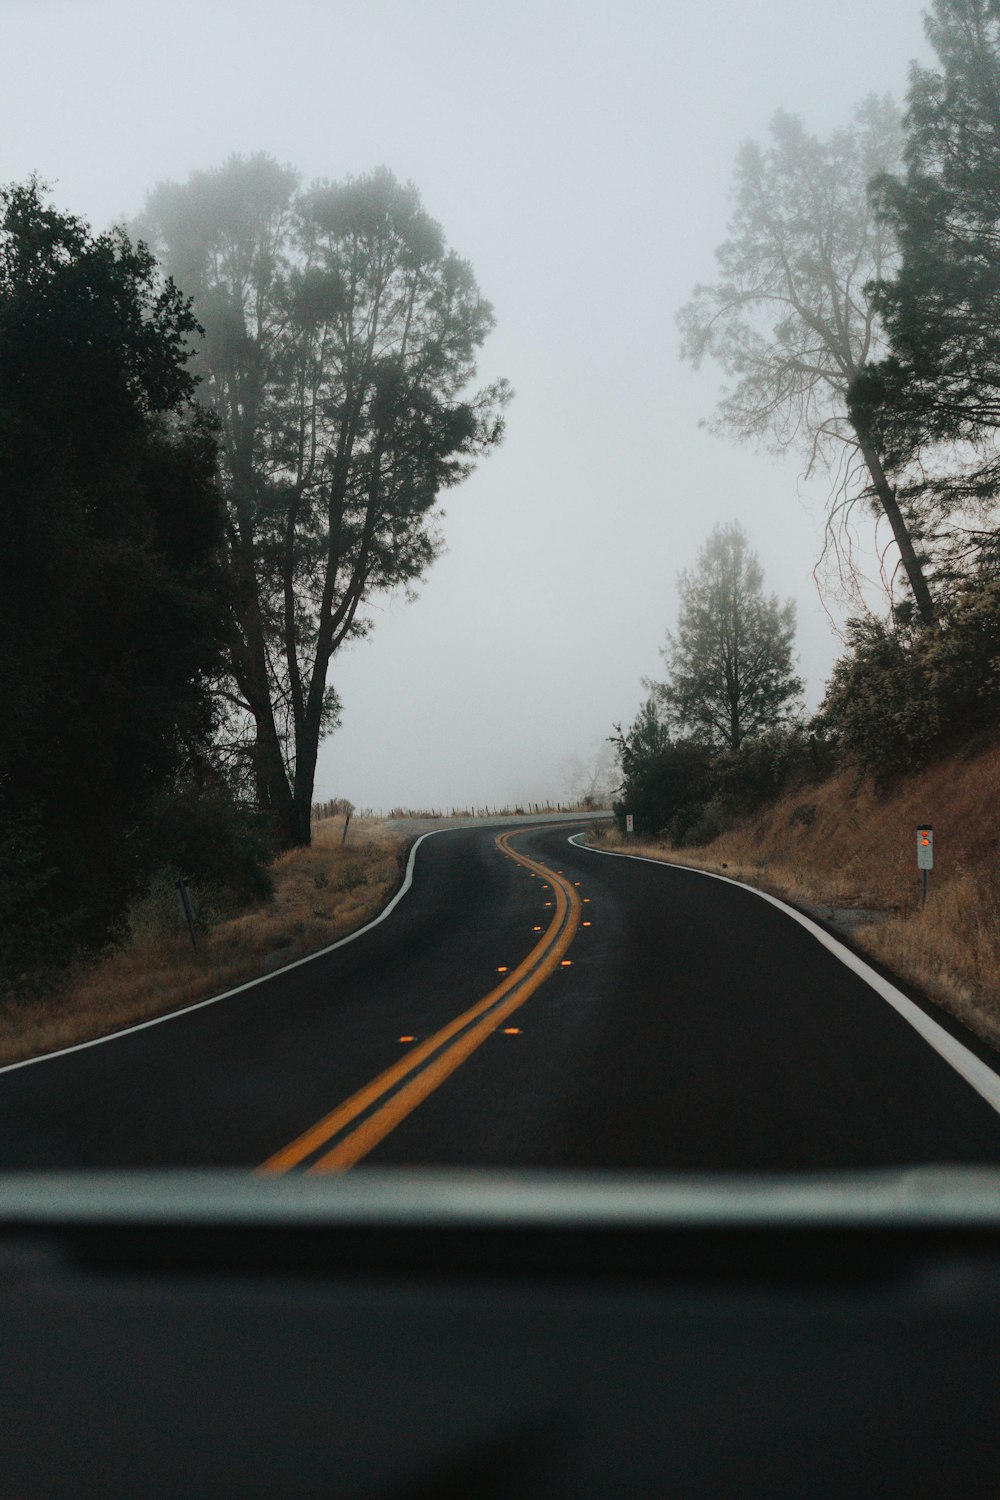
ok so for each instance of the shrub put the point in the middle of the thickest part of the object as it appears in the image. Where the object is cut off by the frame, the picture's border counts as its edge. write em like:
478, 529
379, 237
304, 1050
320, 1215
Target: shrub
879, 706
903, 694
765, 767
217, 844
36, 933
961, 661
666, 793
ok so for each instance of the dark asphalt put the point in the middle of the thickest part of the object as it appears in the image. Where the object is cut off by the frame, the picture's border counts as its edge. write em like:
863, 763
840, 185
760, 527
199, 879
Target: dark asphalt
699, 1028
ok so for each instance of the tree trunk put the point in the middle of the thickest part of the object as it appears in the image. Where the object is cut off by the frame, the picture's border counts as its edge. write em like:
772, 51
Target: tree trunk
907, 552
309, 717
248, 660
274, 795
305, 780
288, 806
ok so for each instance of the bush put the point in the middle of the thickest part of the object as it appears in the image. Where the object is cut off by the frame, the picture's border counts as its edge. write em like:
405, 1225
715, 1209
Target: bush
879, 707
700, 825
36, 932
112, 585
903, 694
217, 844
960, 660
666, 792
764, 768
692, 794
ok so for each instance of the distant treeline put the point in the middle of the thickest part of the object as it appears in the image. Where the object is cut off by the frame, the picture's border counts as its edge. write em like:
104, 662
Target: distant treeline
337, 807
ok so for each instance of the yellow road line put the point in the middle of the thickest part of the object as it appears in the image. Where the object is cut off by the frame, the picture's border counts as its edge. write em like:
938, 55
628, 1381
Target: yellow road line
429, 1075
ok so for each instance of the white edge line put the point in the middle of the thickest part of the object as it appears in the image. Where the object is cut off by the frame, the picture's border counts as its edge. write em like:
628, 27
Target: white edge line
249, 984
972, 1068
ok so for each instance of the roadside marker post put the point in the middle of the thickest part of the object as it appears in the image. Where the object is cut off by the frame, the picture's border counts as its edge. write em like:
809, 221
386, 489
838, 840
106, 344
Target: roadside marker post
187, 909
629, 826
925, 856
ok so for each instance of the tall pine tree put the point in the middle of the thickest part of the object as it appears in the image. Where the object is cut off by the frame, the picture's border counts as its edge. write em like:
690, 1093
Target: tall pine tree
730, 674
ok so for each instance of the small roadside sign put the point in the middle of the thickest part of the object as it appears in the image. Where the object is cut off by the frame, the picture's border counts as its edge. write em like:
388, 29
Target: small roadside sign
925, 857
629, 823
925, 846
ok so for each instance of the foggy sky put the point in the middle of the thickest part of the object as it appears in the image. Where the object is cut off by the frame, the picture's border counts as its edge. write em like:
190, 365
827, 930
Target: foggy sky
580, 156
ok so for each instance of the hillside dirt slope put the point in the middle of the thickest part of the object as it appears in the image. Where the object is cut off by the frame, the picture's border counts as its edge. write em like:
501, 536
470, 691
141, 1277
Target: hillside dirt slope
847, 850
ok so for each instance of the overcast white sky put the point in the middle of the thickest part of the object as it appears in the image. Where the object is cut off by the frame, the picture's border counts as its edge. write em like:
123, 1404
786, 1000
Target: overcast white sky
580, 156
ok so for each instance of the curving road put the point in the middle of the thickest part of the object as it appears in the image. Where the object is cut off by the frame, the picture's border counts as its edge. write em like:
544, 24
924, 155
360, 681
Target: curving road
528, 1002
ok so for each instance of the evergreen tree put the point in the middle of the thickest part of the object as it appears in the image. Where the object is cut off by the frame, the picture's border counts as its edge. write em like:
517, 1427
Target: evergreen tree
729, 666
934, 400
111, 594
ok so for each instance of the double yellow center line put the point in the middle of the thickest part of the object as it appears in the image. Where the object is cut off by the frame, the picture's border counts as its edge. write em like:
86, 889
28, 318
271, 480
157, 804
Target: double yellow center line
356, 1127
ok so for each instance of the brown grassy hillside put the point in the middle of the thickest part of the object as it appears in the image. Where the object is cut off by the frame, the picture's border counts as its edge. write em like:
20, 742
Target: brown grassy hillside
845, 845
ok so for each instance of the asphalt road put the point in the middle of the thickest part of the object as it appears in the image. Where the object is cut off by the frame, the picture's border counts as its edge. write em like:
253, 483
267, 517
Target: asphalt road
534, 1005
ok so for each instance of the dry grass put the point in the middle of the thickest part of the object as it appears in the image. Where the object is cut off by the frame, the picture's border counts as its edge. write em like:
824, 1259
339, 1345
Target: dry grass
844, 845
321, 894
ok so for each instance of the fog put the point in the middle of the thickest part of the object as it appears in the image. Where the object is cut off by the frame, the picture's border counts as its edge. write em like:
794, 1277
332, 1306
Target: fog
580, 156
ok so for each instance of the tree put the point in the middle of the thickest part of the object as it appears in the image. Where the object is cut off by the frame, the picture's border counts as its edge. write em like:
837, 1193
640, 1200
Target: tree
647, 735
934, 400
110, 584
665, 785
789, 317
591, 781
901, 695
341, 337
879, 706
730, 663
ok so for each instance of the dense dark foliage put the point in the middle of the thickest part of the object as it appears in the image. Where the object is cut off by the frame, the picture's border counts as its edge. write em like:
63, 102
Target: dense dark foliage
110, 588
688, 791
666, 790
220, 845
900, 695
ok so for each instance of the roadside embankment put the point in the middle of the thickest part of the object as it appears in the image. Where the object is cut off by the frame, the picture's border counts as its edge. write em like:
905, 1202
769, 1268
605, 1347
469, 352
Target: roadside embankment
846, 851
321, 894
